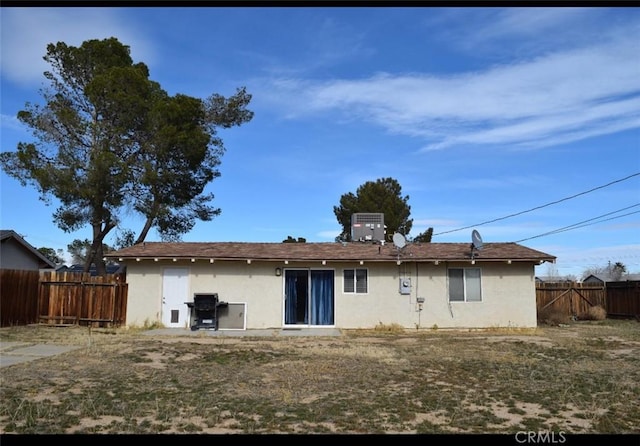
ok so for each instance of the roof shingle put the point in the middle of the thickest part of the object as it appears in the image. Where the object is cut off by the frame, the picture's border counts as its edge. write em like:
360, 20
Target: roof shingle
330, 251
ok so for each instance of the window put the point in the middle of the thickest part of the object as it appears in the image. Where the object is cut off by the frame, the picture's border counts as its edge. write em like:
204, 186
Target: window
464, 285
355, 281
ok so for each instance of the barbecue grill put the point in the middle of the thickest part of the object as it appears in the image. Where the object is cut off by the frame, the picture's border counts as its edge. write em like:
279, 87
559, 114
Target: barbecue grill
204, 311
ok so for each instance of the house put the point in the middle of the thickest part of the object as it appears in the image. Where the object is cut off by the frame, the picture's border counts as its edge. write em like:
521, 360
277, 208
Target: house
342, 285
595, 279
553, 279
111, 269
601, 279
17, 254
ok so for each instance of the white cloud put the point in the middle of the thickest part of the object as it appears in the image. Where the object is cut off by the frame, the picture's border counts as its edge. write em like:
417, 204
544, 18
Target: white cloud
556, 98
571, 260
11, 123
26, 32
530, 21
502, 33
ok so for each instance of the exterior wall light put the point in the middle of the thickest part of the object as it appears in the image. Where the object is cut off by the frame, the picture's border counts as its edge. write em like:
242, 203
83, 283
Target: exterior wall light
278, 272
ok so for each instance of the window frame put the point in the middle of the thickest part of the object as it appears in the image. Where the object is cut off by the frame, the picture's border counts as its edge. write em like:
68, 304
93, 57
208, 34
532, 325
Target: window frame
467, 282
354, 280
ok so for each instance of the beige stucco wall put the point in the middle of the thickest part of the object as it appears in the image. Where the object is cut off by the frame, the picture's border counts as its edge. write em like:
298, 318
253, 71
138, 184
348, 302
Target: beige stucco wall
508, 298
255, 285
508, 294
144, 295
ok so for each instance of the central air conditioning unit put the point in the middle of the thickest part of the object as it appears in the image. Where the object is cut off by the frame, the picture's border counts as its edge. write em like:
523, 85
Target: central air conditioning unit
367, 227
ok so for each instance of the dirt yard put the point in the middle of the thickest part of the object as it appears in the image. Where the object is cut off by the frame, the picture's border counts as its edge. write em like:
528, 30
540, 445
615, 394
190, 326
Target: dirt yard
579, 378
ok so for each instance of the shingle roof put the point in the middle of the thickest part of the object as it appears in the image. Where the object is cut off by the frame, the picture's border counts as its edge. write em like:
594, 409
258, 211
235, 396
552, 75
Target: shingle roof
111, 269
354, 251
604, 277
554, 279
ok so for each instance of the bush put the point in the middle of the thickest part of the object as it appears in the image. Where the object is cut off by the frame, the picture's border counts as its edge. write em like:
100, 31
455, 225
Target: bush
550, 316
595, 313
390, 328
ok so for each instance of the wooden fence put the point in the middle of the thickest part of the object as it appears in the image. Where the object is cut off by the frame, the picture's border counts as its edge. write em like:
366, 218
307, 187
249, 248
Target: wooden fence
623, 299
81, 299
63, 298
618, 299
18, 297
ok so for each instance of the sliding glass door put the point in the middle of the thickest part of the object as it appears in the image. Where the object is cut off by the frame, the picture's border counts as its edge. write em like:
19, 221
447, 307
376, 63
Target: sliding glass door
309, 297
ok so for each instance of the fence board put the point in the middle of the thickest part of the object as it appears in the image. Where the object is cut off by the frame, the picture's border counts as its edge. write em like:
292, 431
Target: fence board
623, 299
570, 299
68, 298
18, 297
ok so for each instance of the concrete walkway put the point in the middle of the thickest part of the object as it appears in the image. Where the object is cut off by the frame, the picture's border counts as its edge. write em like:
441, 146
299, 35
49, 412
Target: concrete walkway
246, 333
16, 352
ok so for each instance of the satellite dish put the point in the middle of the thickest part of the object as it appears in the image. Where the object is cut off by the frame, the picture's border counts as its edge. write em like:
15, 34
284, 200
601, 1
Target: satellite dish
398, 240
476, 240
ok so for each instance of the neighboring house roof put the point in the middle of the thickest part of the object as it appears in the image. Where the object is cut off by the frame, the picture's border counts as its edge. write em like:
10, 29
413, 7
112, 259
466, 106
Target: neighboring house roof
7, 236
601, 278
594, 278
331, 251
553, 279
111, 269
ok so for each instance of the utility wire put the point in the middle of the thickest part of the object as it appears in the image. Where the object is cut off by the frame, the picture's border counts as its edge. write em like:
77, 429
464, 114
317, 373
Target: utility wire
539, 207
584, 223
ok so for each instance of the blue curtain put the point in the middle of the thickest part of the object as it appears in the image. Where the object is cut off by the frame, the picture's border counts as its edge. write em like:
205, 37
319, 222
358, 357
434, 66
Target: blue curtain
321, 297
291, 298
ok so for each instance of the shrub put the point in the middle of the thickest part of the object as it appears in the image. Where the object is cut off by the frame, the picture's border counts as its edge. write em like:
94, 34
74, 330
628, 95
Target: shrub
595, 313
551, 316
390, 328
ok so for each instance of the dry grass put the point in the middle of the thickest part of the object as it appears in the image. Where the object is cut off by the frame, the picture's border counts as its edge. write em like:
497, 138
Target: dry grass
551, 316
580, 378
595, 313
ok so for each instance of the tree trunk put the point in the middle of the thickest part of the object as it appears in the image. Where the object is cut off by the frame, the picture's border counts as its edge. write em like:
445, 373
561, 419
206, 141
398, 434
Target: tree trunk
96, 256
145, 230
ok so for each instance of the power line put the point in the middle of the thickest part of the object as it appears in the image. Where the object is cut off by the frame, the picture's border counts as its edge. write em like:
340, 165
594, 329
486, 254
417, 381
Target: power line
584, 223
540, 207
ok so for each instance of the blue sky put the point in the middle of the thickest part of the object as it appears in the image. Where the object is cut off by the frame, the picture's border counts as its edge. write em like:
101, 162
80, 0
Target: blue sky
480, 113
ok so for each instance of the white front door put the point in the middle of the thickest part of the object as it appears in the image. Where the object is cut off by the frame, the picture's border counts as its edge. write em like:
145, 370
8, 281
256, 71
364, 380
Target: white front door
175, 290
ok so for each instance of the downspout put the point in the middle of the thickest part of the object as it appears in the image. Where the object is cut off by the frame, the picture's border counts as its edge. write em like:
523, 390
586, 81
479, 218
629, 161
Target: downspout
418, 302
446, 271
